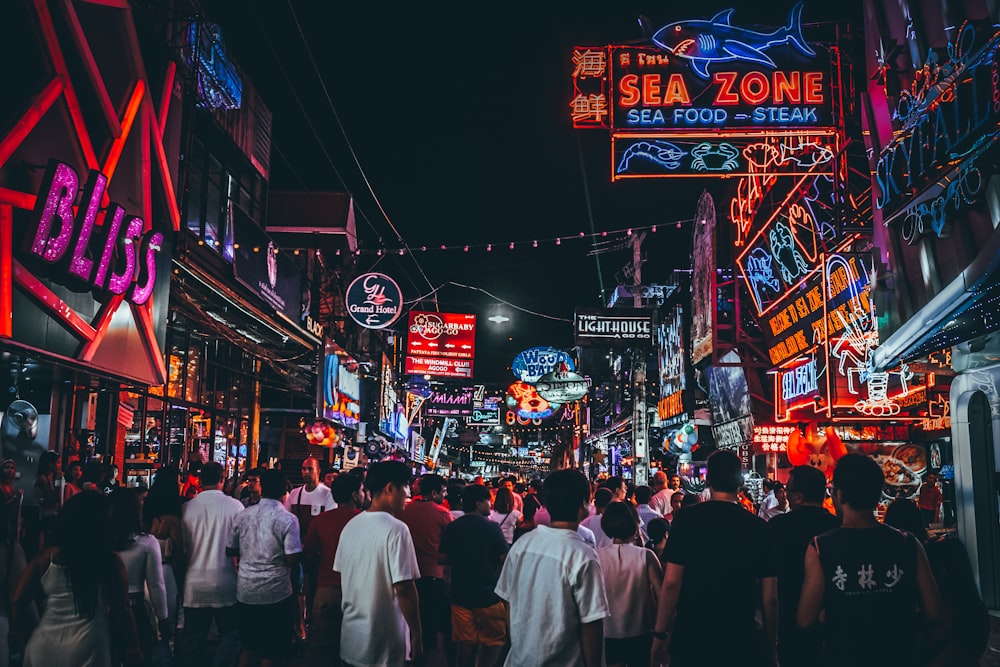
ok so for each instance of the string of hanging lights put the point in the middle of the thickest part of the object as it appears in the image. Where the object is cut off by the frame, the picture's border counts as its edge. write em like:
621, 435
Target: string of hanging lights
535, 243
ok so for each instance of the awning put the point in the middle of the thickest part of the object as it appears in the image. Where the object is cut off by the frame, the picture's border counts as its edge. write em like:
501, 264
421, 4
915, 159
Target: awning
966, 308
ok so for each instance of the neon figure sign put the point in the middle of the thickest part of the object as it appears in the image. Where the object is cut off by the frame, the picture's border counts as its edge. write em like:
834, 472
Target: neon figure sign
115, 257
704, 43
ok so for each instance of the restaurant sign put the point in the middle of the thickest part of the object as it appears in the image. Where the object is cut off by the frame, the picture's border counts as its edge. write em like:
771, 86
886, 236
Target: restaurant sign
705, 74
617, 327
796, 323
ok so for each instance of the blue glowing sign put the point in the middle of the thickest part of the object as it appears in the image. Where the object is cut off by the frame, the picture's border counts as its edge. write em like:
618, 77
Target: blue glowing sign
706, 43
949, 118
531, 364
219, 84
700, 154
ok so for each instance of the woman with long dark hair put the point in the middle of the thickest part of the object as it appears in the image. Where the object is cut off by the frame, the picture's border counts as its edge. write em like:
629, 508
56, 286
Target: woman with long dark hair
161, 518
140, 552
83, 584
47, 495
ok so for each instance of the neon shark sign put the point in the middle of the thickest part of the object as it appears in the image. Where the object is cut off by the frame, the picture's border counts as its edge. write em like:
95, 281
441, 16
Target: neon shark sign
706, 43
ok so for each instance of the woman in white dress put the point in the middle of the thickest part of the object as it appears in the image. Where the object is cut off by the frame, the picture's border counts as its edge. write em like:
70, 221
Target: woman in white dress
85, 592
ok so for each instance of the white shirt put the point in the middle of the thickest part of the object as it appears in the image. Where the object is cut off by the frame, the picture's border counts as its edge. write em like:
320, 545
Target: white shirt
456, 513
208, 525
319, 498
507, 523
660, 502
375, 552
263, 535
593, 523
626, 580
587, 535
144, 565
553, 582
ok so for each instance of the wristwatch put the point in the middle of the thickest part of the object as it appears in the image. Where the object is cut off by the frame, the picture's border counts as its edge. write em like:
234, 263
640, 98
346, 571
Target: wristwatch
662, 636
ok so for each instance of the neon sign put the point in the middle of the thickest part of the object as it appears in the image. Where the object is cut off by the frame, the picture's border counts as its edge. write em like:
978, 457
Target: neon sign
524, 401
800, 381
705, 43
950, 115
700, 154
116, 257
531, 364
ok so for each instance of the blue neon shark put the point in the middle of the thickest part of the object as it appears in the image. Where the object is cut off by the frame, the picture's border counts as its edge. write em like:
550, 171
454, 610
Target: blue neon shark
704, 43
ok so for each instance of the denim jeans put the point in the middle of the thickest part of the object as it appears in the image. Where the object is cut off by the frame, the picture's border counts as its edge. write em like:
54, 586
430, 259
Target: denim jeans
197, 621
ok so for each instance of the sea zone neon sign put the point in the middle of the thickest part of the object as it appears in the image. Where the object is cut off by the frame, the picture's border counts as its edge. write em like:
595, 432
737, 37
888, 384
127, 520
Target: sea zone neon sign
713, 74
114, 258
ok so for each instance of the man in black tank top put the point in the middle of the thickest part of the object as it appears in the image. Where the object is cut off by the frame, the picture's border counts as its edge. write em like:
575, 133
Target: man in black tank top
873, 582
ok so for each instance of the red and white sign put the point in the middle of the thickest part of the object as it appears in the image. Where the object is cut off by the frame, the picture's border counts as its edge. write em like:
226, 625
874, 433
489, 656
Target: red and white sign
452, 368
442, 344
451, 335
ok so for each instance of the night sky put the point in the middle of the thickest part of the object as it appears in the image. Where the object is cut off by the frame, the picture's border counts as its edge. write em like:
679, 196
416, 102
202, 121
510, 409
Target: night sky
460, 120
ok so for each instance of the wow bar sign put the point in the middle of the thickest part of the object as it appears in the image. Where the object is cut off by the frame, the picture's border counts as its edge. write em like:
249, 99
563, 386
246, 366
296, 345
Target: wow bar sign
706, 74
117, 257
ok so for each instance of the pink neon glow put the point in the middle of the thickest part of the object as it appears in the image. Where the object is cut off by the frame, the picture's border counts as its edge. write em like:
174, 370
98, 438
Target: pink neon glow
112, 225
119, 282
143, 288
58, 202
81, 265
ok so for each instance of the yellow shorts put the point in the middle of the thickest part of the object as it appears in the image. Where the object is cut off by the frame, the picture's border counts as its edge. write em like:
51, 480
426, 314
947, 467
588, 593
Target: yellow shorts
486, 625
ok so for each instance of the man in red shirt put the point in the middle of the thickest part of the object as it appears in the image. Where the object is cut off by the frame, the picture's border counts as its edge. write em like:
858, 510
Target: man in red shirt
319, 550
929, 500
426, 517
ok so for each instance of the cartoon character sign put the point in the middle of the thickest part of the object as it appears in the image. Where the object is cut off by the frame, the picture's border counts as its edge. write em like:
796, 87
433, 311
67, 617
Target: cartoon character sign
819, 449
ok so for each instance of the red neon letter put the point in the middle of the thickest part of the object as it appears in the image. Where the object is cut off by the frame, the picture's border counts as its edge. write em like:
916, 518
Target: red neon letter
629, 90
813, 87
676, 91
727, 88
650, 89
788, 85
755, 87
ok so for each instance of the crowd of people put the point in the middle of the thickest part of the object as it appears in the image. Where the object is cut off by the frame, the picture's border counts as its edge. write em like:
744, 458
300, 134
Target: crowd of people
373, 567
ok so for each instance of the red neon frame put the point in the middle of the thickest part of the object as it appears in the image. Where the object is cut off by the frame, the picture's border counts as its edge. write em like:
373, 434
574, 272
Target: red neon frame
139, 106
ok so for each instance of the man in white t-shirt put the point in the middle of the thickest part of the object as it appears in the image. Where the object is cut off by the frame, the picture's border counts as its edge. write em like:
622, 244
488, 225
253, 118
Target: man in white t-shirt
552, 580
660, 502
305, 502
210, 584
378, 569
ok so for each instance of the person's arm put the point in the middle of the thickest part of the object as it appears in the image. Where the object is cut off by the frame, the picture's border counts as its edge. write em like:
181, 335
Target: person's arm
670, 592
930, 596
655, 573
593, 643
813, 587
769, 607
120, 612
409, 604
292, 544
28, 589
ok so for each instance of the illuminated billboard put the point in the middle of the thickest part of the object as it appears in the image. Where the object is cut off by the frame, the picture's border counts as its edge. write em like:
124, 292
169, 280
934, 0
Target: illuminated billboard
670, 357
441, 344
340, 387
732, 410
696, 155
705, 74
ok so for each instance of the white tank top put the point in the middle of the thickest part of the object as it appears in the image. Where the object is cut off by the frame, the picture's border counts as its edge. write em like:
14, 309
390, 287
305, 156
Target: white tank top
627, 585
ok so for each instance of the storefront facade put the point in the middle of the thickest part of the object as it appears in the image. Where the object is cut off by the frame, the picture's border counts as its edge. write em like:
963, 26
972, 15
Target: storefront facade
932, 121
88, 220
